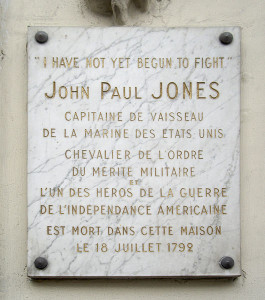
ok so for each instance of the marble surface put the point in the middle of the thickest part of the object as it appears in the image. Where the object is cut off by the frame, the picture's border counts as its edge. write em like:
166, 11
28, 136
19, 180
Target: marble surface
49, 168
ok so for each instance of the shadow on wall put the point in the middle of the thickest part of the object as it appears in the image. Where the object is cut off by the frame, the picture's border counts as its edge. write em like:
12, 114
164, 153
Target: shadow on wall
140, 284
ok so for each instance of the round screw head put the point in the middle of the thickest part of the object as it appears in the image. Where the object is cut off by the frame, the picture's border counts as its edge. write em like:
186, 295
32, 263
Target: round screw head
41, 263
226, 38
227, 262
41, 37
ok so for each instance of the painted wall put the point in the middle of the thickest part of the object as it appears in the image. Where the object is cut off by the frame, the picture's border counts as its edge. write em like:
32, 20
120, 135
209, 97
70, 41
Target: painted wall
15, 16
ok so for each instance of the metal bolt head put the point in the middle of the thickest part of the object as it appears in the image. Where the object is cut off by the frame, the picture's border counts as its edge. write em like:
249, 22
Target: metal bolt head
226, 38
41, 37
41, 263
227, 262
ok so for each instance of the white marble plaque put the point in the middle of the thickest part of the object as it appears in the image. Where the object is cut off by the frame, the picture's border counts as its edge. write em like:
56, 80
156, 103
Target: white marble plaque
133, 152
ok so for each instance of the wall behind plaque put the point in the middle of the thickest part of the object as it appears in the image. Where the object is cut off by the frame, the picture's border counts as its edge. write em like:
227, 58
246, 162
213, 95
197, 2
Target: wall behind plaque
15, 16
